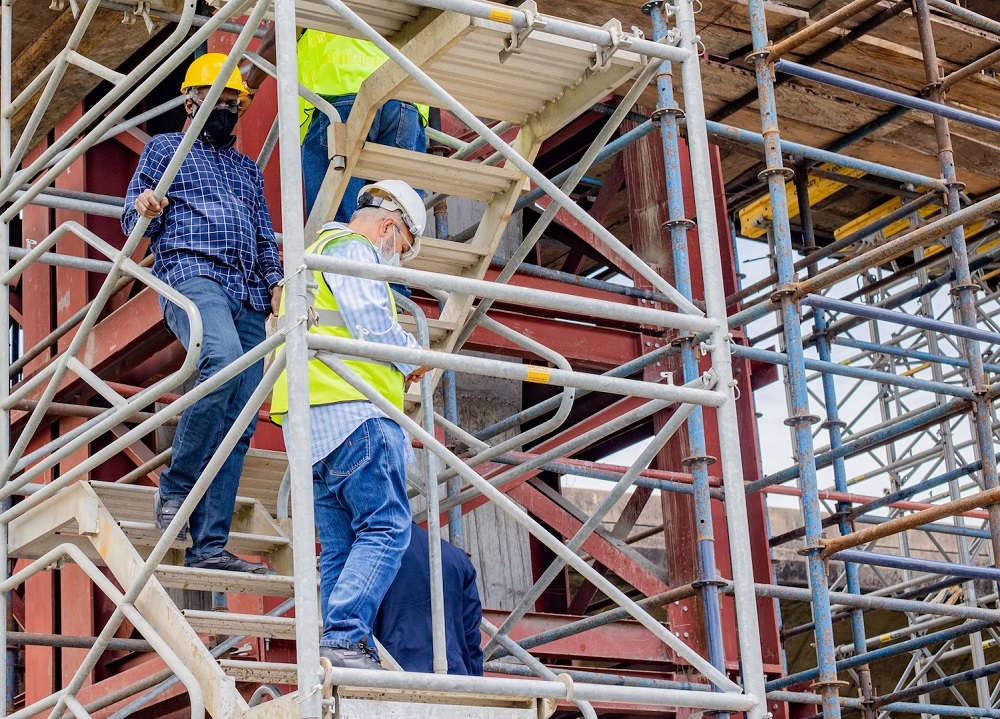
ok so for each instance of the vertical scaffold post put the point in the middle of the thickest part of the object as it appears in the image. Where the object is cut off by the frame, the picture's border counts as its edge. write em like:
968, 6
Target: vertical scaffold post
299, 446
834, 426
678, 225
6, 38
728, 423
800, 420
963, 288
965, 291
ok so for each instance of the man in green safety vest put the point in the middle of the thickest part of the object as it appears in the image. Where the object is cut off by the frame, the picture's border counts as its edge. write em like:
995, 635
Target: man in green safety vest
334, 66
359, 455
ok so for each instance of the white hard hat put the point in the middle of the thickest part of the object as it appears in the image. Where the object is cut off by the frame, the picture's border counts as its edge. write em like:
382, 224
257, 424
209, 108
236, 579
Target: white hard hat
397, 195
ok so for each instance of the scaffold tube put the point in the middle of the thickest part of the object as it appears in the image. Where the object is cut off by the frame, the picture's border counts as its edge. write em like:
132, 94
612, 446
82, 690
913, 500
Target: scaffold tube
880, 93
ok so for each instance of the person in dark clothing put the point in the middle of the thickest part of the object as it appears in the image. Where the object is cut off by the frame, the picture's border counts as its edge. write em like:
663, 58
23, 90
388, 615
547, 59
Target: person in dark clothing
403, 623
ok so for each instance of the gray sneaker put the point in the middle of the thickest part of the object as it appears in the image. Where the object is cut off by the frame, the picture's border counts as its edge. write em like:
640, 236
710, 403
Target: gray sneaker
164, 511
361, 657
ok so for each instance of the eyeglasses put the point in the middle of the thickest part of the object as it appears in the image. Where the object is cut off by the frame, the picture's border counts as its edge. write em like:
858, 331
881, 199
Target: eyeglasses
231, 105
406, 238
410, 241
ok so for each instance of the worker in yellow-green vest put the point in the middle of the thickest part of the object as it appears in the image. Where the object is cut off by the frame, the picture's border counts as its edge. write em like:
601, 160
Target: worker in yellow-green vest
359, 455
334, 66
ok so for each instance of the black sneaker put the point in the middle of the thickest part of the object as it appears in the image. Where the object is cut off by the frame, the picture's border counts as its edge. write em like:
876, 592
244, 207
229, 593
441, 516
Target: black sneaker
164, 511
230, 563
361, 657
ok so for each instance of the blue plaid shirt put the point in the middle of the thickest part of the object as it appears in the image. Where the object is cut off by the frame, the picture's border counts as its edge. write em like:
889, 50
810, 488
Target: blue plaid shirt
216, 225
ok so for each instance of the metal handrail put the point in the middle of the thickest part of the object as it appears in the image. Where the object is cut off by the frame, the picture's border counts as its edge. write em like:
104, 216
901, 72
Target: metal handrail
55, 556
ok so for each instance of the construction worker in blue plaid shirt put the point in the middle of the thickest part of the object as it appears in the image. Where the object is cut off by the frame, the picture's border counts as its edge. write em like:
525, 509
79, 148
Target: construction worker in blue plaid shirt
213, 241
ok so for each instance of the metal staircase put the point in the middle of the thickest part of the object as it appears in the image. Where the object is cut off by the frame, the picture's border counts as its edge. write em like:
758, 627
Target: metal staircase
476, 59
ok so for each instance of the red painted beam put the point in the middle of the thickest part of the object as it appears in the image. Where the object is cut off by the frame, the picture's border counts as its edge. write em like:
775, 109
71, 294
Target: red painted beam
620, 642
577, 228
567, 525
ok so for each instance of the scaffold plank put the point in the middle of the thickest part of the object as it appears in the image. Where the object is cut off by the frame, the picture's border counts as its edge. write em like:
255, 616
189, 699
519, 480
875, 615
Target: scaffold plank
434, 174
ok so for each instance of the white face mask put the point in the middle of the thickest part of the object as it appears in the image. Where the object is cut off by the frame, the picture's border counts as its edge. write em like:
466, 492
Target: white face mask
387, 251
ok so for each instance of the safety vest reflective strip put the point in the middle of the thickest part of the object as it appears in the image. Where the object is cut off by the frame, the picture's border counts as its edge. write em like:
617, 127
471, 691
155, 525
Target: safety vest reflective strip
325, 385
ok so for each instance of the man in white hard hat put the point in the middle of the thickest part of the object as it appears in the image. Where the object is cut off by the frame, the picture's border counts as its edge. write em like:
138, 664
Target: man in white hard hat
359, 455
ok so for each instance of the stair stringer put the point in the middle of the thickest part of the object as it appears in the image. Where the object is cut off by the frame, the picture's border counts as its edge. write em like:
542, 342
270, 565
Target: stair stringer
96, 523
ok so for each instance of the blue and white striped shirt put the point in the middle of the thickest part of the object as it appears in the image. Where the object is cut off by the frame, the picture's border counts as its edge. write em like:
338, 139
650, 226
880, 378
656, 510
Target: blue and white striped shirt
216, 224
365, 308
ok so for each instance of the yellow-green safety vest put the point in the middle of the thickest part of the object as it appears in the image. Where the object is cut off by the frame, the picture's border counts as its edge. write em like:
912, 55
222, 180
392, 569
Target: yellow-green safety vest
325, 385
336, 65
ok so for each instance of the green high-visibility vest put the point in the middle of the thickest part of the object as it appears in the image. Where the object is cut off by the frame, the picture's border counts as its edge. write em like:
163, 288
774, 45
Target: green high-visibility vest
325, 385
334, 65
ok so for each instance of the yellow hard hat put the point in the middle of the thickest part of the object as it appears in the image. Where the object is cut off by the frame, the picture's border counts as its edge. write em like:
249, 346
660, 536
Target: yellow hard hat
203, 71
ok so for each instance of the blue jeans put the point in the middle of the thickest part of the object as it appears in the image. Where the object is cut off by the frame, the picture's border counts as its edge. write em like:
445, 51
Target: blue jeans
230, 328
396, 124
363, 521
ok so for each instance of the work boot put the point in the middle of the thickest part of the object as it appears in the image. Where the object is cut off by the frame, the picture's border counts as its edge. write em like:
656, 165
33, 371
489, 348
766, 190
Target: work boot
164, 511
357, 658
228, 562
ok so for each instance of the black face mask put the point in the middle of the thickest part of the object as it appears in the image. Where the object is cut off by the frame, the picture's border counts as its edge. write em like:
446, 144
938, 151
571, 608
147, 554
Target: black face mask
220, 125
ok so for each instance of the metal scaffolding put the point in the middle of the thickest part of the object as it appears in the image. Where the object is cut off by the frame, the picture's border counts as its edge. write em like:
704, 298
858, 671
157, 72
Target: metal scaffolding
890, 381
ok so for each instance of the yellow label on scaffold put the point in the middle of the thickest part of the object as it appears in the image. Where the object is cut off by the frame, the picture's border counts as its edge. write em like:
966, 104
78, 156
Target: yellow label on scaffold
498, 15
538, 375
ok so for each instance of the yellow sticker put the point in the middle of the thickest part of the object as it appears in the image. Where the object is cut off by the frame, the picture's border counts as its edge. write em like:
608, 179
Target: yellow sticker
539, 375
885, 638
498, 15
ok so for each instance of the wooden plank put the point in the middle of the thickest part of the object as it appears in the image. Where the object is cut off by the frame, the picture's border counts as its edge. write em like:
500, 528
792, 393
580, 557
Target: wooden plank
954, 42
436, 329
434, 174
40, 34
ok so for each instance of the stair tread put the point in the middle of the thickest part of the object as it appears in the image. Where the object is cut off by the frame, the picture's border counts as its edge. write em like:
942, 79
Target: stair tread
282, 673
431, 173
261, 477
436, 329
445, 257
217, 580
146, 534
235, 624
134, 503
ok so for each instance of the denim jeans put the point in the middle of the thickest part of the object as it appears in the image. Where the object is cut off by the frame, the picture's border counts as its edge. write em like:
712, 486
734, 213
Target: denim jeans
229, 329
363, 521
396, 124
